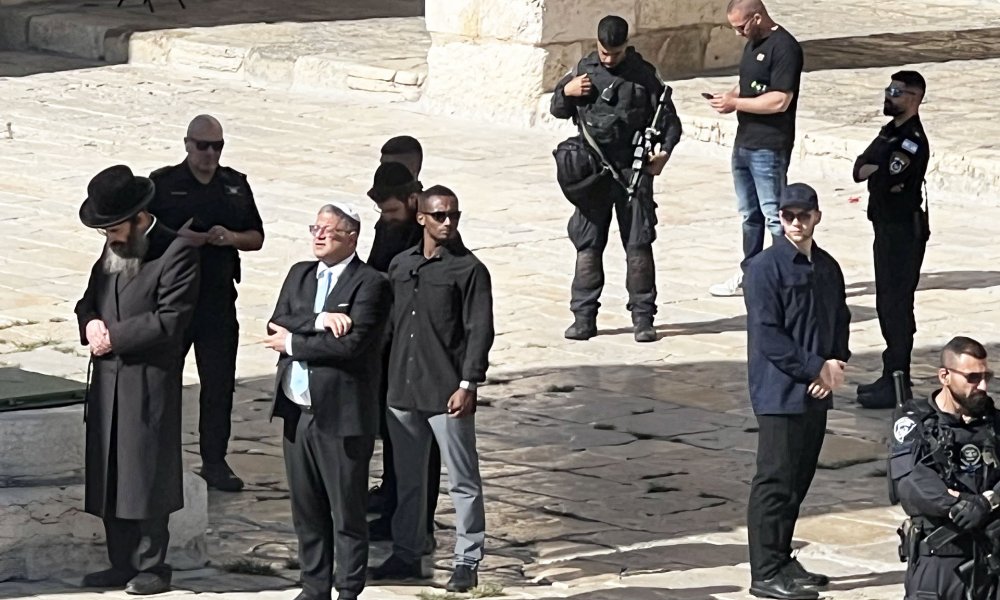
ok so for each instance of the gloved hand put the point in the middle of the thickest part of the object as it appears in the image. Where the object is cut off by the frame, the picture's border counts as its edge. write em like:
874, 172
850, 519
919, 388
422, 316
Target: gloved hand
971, 511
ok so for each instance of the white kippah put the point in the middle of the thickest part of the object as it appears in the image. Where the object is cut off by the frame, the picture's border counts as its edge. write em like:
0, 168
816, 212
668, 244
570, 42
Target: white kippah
348, 210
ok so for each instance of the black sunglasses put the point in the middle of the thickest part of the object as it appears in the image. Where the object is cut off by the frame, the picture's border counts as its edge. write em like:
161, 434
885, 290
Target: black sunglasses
441, 215
895, 92
973, 378
205, 145
791, 215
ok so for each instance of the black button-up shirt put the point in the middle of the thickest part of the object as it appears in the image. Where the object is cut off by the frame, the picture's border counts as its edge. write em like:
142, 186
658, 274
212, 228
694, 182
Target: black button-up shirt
895, 190
442, 321
226, 200
797, 319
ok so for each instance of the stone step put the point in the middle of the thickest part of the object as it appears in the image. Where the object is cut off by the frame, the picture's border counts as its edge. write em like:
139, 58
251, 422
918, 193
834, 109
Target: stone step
332, 47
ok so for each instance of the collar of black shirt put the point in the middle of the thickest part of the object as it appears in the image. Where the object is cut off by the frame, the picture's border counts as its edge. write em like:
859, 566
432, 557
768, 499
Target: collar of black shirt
453, 249
787, 250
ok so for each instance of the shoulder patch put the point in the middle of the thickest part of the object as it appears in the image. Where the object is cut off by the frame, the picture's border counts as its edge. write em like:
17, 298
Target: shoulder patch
910, 146
902, 428
898, 163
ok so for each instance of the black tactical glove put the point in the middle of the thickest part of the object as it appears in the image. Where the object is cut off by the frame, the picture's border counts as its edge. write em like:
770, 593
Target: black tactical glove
971, 511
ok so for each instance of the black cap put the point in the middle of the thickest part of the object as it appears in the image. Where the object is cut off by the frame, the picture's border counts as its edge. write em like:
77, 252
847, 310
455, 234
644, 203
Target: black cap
392, 179
798, 195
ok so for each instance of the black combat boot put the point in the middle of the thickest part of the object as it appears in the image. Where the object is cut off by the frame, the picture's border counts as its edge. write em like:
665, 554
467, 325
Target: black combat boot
583, 328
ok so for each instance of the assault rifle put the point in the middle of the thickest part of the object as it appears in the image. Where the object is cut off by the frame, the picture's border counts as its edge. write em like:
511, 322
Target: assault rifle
643, 143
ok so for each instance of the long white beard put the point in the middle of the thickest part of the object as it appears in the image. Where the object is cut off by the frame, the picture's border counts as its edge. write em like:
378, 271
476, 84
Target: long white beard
129, 267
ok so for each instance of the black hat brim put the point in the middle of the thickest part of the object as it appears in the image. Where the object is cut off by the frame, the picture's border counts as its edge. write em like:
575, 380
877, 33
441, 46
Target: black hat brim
91, 218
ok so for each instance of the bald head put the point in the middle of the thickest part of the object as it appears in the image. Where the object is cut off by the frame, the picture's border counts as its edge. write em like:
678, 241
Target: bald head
205, 127
203, 143
746, 7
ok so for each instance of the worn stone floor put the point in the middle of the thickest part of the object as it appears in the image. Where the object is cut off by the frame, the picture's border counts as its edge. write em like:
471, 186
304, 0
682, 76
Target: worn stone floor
613, 470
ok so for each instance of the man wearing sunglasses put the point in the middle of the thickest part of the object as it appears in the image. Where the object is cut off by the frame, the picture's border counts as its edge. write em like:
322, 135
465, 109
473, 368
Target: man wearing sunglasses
894, 165
396, 191
442, 322
765, 101
218, 203
797, 334
943, 471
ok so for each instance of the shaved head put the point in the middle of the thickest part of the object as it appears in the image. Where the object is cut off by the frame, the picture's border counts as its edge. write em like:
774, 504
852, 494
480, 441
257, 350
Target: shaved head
746, 7
205, 127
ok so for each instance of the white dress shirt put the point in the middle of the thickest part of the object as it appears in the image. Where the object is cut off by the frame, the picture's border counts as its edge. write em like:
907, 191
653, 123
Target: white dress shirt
322, 269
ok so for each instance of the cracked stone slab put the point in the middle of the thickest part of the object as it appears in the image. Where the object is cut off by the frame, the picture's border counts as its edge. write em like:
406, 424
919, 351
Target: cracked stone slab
658, 425
841, 451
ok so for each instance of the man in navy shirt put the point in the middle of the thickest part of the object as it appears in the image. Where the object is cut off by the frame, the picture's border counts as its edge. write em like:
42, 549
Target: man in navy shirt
797, 331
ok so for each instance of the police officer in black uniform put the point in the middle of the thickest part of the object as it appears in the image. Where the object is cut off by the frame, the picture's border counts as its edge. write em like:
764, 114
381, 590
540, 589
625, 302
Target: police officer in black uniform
214, 207
944, 472
613, 93
894, 166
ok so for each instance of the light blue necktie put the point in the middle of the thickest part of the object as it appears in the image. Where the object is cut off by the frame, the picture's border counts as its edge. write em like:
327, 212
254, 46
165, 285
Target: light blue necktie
300, 370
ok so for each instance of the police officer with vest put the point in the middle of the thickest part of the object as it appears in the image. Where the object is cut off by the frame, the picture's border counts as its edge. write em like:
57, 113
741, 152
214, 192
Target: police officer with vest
214, 208
612, 94
944, 472
894, 166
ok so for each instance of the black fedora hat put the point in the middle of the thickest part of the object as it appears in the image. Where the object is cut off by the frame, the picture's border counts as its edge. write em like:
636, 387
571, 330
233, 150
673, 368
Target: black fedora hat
115, 195
392, 179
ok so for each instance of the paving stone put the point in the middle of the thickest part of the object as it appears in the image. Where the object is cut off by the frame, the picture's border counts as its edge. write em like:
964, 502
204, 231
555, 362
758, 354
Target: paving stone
840, 451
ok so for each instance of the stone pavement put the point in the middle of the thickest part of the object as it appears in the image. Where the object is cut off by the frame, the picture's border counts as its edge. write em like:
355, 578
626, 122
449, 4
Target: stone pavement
613, 470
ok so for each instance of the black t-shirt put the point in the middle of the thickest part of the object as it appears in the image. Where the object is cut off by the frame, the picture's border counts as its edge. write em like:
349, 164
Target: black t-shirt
225, 200
773, 64
390, 240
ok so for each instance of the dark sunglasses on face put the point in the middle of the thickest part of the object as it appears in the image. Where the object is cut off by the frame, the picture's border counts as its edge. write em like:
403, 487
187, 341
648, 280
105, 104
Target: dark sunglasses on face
974, 378
441, 215
203, 145
895, 92
791, 215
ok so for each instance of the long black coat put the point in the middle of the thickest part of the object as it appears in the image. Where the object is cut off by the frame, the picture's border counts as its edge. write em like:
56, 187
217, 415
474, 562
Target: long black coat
135, 390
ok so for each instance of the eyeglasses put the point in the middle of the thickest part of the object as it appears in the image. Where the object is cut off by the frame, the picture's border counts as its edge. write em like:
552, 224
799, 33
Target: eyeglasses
322, 230
741, 29
802, 215
974, 378
441, 215
895, 92
203, 145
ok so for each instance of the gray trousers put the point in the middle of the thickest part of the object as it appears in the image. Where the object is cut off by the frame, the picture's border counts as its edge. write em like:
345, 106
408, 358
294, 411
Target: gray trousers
411, 433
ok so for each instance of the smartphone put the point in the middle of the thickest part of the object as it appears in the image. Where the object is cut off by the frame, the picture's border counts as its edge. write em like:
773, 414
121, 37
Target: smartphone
707, 96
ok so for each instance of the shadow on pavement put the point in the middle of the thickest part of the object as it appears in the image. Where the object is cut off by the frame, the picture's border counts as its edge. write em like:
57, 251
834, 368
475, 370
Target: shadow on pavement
892, 49
647, 593
943, 280
853, 582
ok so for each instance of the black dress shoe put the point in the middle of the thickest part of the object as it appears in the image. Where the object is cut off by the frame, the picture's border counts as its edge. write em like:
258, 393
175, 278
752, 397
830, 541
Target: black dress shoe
583, 328
220, 476
109, 578
799, 575
396, 568
463, 579
878, 400
145, 584
781, 587
303, 595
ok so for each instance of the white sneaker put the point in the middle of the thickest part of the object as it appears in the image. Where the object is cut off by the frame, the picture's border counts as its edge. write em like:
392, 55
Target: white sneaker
730, 287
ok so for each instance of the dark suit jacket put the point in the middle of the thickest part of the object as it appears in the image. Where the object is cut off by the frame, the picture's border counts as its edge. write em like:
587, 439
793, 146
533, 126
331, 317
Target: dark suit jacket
344, 373
139, 381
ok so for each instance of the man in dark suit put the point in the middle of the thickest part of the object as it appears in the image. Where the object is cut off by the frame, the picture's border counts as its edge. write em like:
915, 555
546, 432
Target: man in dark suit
327, 327
139, 300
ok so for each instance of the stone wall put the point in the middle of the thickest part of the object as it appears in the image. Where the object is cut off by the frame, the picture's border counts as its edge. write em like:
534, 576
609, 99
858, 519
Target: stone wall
496, 59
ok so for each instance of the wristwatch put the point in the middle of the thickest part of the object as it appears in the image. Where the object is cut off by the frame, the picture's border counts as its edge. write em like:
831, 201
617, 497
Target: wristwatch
992, 498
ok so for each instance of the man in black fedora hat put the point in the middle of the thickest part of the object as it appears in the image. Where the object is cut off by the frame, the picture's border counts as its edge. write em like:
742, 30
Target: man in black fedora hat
139, 300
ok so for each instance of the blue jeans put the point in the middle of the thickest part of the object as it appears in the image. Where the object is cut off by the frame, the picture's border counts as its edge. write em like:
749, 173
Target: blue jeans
759, 176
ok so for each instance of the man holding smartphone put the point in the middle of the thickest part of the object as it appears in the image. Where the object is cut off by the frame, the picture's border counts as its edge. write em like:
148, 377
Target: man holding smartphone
764, 101
442, 321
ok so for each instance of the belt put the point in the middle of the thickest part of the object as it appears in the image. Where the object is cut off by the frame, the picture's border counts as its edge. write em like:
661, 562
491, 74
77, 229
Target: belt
306, 409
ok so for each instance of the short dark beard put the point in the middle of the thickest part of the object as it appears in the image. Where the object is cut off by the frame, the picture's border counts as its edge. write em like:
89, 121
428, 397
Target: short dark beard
978, 404
125, 258
891, 110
